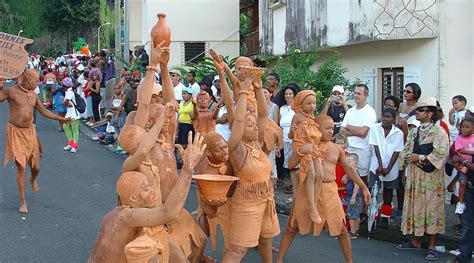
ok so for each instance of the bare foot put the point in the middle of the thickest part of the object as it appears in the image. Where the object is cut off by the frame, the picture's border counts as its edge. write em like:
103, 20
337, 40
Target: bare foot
313, 213
23, 208
34, 185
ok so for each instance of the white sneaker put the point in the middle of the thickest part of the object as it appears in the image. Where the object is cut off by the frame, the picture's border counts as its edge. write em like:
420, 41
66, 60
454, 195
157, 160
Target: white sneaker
95, 138
67, 148
460, 207
73, 150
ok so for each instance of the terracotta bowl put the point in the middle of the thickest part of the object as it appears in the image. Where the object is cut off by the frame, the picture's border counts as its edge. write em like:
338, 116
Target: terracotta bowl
214, 187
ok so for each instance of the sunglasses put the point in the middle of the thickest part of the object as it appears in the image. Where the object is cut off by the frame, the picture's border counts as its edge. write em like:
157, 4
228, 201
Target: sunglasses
408, 91
422, 110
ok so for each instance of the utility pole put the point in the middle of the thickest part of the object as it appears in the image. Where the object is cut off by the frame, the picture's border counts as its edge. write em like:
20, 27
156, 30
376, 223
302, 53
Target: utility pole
118, 44
126, 48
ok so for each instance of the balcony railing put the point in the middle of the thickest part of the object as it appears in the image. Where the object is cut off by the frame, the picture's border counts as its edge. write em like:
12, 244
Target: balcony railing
250, 44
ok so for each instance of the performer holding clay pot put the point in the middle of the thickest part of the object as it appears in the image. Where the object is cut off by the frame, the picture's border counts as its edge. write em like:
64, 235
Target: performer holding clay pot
253, 219
204, 120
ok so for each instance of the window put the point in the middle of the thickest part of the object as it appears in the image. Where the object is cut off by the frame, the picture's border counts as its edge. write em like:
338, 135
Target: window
392, 82
194, 51
275, 3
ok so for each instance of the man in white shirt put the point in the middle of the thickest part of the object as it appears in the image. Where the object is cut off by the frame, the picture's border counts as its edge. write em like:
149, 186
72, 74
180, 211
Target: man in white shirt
356, 126
177, 85
387, 141
191, 76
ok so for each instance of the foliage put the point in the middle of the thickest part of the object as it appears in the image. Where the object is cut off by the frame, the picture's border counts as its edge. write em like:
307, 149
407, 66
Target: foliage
22, 15
204, 67
106, 15
296, 68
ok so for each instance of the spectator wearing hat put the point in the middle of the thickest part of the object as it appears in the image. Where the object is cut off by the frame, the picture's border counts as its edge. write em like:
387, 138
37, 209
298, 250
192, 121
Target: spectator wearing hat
71, 129
177, 85
336, 107
424, 155
191, 77
216, 87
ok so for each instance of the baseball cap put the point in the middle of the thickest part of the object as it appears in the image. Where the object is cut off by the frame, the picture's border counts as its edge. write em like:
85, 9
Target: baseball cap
413, 121
188, 90
216, 77
67, 82
338, 88
175, 71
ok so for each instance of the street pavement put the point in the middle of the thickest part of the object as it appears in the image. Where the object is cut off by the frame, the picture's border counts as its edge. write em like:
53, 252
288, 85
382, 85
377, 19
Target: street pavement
78, 189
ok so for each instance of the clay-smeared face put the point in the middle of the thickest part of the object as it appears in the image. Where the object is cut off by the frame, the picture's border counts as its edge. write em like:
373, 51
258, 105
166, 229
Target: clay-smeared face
203, 101
219, 151
156, 110
147, 195
309, 104
250, 128
30, 79
130, 137
327, 129
242, 61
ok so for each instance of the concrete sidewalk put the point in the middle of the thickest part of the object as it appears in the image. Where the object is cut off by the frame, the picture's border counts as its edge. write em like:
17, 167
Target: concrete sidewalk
392, 233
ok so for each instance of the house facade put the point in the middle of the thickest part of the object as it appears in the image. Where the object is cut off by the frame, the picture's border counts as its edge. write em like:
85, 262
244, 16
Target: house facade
384, 43
196, 26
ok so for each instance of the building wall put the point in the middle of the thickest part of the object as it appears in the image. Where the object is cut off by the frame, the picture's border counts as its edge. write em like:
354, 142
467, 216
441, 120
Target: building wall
135, 32
333, 23
457, 52
365, 61
213, 22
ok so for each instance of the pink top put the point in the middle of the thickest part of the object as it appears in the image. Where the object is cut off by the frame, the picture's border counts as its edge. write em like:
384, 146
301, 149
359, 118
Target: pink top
466, 143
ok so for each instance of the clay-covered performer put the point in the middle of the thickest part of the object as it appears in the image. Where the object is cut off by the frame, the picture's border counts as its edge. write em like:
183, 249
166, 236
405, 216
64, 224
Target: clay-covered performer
304, 129
204, 120
185, 231
139, 207
253, 219
329, 205
215, 161
23, 144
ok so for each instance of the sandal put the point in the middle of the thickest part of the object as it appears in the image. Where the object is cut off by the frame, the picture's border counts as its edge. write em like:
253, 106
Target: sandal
432, 255
407, 246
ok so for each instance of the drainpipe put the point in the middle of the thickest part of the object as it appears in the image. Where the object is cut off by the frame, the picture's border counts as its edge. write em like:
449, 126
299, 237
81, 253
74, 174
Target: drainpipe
442, 85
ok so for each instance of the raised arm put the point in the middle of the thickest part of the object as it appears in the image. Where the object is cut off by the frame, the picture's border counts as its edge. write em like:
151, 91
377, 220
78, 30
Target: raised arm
134, 161
262, 109
352, 174
168, 91
39, 106
170, 211
225, 90
237, 131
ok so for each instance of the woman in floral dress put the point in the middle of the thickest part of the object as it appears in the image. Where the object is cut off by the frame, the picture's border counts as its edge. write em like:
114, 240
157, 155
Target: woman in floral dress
424, 154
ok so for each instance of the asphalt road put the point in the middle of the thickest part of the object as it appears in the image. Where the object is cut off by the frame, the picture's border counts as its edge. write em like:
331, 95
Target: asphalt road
78, 189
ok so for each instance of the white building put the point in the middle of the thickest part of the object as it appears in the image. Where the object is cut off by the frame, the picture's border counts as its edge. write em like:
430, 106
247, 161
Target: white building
196, 26
385, 43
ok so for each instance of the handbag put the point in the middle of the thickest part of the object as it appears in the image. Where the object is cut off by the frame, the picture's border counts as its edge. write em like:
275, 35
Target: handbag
424, 149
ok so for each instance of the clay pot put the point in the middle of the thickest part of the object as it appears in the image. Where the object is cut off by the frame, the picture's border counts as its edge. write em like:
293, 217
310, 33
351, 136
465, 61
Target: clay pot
161, 31
214, 187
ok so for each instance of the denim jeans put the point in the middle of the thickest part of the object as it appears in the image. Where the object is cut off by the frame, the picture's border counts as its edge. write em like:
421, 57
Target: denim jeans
467, 241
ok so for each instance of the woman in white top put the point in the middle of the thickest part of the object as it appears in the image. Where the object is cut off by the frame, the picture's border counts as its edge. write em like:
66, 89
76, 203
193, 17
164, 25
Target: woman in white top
286, 115
71, 129
411, 94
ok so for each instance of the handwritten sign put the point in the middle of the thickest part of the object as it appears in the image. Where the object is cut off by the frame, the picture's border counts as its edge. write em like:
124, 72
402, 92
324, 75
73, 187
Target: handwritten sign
13, 56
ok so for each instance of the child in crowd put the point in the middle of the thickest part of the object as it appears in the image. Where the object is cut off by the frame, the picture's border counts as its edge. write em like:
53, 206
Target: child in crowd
58, 91
456, 115
119, 114
464, 147
387, 141
304, 129
106, 132
71, 129
341, 178
353, 199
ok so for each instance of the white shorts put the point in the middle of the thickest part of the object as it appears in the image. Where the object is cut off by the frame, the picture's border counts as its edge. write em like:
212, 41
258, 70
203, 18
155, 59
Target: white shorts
364, 159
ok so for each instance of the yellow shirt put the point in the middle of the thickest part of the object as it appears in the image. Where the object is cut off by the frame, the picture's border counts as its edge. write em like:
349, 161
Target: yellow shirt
184, 112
